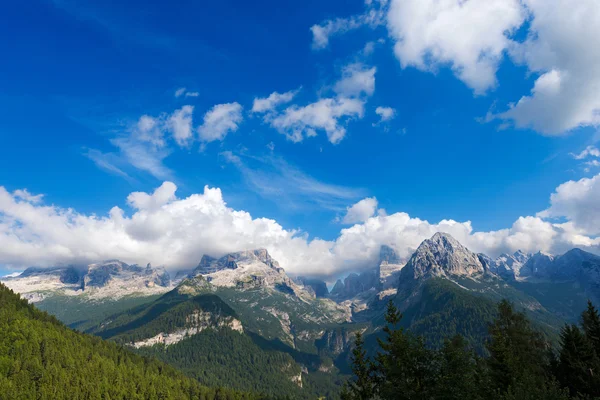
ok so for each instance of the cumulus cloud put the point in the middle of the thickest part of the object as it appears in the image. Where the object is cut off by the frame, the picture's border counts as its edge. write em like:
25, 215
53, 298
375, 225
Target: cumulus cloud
361, 211
579, 203
357, 79
176, 232
327, 115
561, 48
180, 124
373, 16
275, 99
219, 121
470, 36
385, 113
24, 195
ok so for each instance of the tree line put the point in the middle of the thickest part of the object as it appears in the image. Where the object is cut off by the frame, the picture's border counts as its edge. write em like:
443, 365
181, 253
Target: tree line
521, 364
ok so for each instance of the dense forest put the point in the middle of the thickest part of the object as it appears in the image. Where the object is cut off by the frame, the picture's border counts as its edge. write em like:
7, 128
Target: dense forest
40, 358
520, 365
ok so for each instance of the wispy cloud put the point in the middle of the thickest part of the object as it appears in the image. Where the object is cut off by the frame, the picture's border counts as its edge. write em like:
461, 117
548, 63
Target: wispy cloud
273, 178
106, 161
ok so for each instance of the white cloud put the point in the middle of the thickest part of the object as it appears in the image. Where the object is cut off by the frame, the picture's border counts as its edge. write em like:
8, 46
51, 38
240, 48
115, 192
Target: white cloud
180, 124
262, 105
561, 48
23, 194
374, 16
385, 113
176, 232
590, 151
180, 92
107, 162
361, 211
276, 180
469, 36
578, 202
327, 115
219, 121
164, 194
591, 164
357, 79
144, 147
183, 92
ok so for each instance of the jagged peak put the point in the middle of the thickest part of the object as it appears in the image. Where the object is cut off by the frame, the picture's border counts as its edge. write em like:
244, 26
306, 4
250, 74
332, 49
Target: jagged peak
442, 255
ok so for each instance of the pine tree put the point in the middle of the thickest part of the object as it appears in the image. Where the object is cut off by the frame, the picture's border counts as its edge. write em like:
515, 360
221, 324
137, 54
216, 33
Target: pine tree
363, 387
590, 322
519, 364
405, 366
516, 350
458, 375
577, 361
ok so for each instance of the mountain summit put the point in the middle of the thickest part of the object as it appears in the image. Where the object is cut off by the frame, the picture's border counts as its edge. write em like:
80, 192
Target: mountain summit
442, 256
248, 270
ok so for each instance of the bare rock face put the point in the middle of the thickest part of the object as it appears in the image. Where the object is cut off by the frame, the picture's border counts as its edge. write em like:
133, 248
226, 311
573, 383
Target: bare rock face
336, 341
209, 265
110, 279
390, 265
318, 286
442, 256
249, 270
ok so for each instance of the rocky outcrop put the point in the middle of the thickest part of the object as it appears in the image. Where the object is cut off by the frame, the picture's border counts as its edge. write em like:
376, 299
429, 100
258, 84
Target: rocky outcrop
442, 256
110, 279
335, 341
251, 269
318, 286
196, 322
507, 266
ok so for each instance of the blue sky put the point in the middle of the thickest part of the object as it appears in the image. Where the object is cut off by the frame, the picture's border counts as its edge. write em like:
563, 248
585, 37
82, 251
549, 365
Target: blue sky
77, 77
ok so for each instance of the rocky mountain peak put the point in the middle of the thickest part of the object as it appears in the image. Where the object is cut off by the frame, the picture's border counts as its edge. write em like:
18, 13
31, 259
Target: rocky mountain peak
388, 255
521, 256
209, 265
390, 265
442, 255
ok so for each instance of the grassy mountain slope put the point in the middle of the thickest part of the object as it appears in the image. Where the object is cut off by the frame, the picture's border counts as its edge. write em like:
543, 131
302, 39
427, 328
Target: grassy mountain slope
41, 358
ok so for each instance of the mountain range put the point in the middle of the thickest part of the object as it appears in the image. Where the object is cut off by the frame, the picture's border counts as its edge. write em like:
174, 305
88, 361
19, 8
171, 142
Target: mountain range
294, 335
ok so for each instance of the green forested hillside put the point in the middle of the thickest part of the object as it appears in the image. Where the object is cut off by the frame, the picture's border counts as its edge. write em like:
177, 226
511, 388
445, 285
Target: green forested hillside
232, 359
40, 358
82, 313
219, 355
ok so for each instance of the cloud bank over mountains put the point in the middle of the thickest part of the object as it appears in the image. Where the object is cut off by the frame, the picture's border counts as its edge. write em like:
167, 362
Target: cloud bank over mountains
554, 39
176, 232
